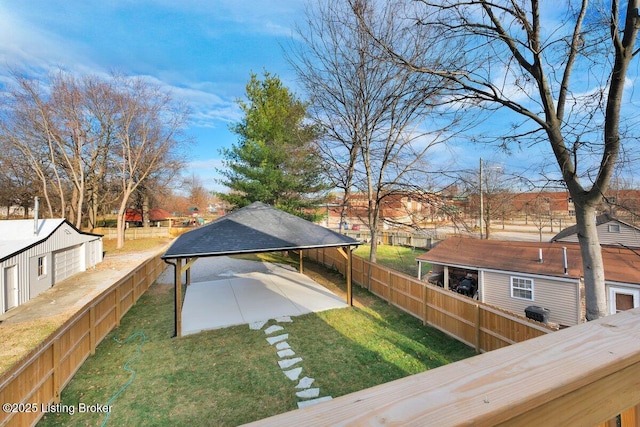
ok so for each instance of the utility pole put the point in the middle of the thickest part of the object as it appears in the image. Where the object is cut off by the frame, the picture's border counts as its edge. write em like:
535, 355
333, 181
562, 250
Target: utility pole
481, 200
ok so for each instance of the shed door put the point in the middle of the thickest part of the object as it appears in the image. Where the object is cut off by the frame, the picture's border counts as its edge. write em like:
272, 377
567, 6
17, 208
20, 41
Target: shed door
66, 263
10, 287
621, 299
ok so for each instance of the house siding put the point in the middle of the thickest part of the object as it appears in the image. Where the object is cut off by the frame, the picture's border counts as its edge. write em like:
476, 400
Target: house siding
560, 297
39, 284
628, 236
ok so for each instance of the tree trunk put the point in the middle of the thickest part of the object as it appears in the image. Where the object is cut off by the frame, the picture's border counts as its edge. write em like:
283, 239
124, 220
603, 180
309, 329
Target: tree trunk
146, 222
487, 226
93, 209
120, 225
374, 244
593, 267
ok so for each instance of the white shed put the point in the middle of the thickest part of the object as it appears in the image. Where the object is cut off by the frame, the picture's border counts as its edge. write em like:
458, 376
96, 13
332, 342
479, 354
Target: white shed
35, 255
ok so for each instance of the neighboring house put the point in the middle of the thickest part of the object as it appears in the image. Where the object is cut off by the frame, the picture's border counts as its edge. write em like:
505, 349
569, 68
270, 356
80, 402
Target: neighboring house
611, 231
157, 217
35, 255
516, 275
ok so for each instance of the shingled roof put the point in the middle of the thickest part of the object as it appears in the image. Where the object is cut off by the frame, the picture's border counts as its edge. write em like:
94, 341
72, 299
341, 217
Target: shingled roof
252, 229
620, 264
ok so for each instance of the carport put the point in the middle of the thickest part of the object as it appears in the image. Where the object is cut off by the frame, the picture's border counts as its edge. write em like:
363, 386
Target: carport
256, 228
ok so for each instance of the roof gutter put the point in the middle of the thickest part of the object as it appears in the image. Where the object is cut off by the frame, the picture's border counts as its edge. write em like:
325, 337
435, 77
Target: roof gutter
257, 251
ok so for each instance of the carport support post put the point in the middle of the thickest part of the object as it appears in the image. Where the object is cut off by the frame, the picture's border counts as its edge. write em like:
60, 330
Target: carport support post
301, 266
188, 276
349, 266
178, 297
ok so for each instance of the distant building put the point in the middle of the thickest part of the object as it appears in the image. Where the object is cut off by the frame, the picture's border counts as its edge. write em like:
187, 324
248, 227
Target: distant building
611, 231
157, 217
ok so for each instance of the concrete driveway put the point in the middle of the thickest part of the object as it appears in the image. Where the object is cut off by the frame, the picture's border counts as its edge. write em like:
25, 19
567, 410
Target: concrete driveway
226, 291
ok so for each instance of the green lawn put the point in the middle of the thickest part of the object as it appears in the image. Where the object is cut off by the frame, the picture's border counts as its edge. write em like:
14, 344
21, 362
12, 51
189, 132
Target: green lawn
231, 376
399, 258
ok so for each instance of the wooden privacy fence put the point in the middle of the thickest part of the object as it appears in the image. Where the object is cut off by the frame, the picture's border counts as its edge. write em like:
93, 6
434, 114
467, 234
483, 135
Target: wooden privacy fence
474, 323
39, 378
135, 233
399, 238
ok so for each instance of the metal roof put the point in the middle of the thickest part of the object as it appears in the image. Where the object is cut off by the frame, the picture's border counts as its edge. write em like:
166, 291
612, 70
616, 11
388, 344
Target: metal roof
19, 235
252, 229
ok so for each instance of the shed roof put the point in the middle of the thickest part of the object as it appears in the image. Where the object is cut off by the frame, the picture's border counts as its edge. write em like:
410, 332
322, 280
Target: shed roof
620, 264
135, 215
252, 229
19, 235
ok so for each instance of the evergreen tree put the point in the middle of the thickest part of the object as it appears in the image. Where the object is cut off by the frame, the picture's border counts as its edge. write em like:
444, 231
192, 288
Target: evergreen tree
275, 159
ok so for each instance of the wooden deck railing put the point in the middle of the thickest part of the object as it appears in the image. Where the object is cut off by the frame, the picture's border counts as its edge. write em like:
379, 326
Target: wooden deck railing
39, 378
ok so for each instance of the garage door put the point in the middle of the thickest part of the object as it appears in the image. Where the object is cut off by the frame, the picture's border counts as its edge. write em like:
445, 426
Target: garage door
66, 263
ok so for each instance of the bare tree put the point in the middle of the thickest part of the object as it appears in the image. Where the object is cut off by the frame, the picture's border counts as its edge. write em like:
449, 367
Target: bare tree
540, 211
372, 112
149, 138
197, 195
18, 184
94, 140
497, 194
101, 113
26, 128
526, 56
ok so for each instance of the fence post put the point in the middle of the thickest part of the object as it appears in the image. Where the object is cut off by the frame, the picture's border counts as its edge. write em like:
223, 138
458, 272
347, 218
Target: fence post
146, 283
389, 286
92, 328
56, 370
134, 285
425, 302
478, 347
118, 309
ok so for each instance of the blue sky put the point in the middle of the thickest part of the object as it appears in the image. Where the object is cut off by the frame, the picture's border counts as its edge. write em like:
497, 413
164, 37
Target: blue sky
203, 51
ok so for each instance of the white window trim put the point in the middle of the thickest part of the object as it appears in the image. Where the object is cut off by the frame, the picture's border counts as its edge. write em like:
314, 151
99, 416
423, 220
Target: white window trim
525, 279
613, 290
613, 228
44, 266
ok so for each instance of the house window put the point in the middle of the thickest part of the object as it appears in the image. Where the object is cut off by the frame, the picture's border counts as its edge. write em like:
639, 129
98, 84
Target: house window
42, 266
522, 288
614, 228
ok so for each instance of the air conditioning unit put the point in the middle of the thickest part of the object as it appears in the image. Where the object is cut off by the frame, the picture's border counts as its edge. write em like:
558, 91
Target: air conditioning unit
539, 314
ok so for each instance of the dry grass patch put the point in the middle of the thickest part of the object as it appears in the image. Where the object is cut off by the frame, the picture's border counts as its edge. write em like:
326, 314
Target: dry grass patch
131, 246
19, 339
